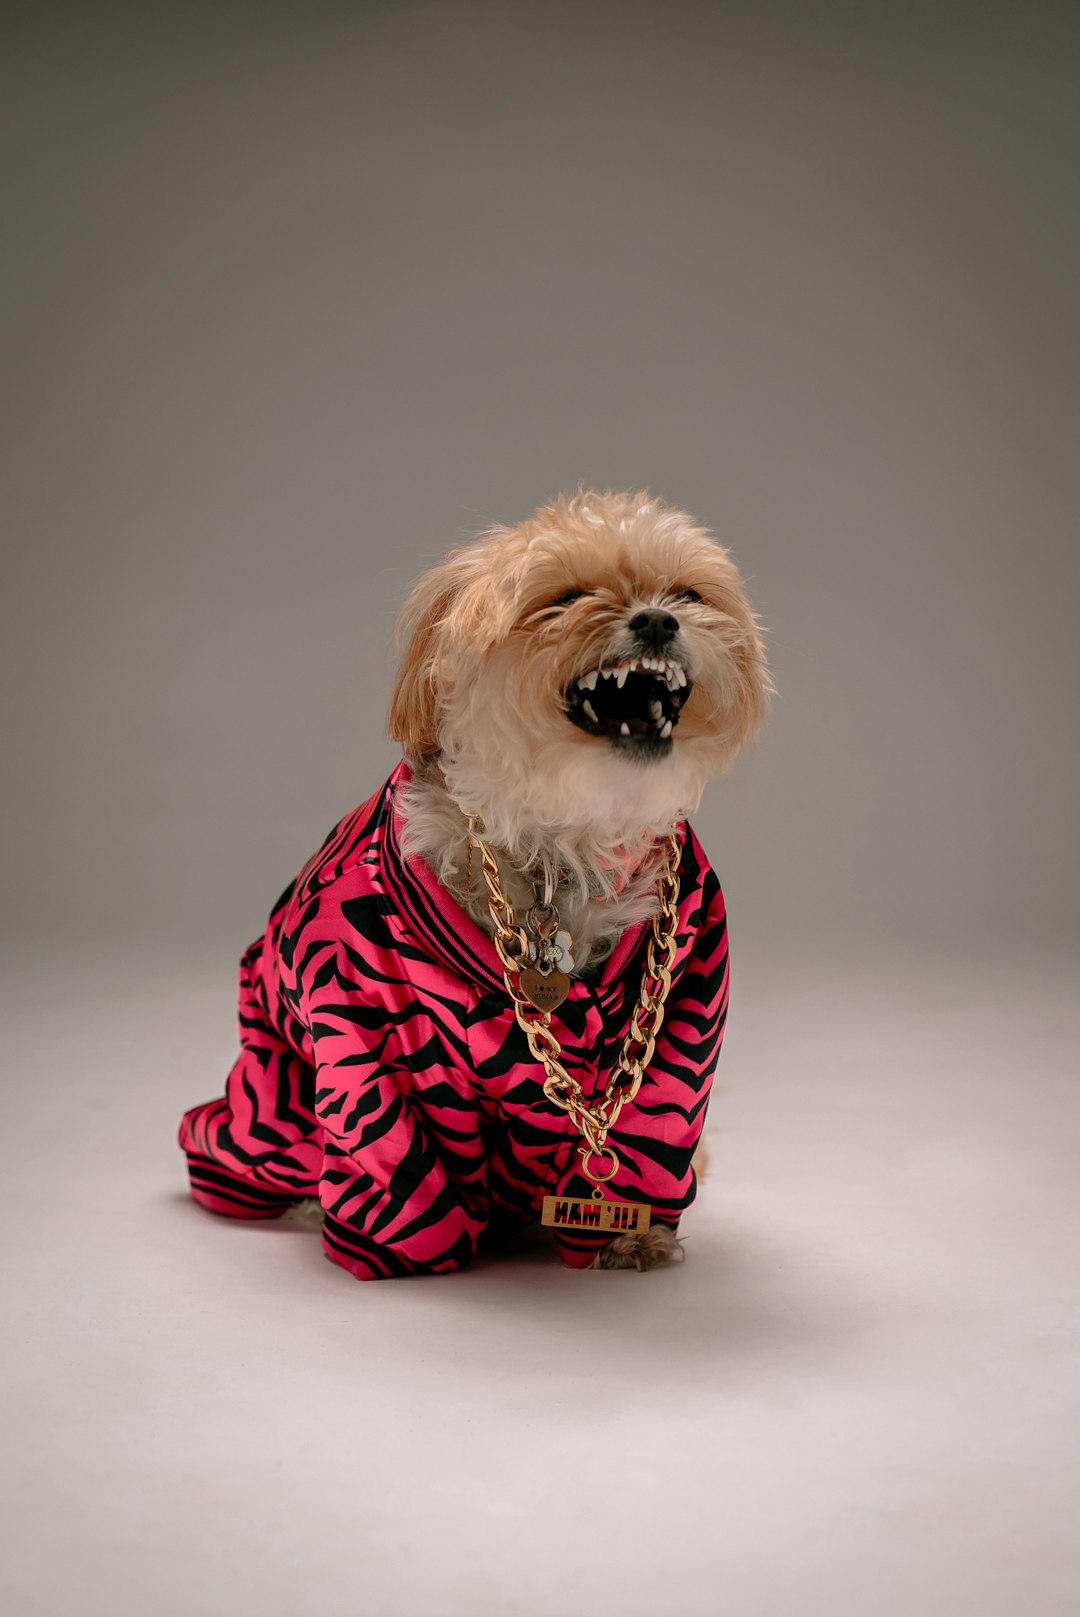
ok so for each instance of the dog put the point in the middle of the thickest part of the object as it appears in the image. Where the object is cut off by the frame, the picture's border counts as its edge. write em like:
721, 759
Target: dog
567, 689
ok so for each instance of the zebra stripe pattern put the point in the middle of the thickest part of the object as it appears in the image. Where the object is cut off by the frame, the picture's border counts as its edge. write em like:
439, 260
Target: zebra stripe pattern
381, 1067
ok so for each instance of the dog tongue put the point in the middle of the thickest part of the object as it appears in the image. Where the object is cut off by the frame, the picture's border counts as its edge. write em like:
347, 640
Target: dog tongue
624, 861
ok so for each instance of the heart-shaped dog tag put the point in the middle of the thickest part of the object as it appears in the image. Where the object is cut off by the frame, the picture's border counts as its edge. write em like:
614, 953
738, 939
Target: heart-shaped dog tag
545, 992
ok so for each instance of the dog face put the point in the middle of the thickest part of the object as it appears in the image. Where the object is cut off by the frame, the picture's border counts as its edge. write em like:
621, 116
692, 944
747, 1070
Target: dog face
595, 665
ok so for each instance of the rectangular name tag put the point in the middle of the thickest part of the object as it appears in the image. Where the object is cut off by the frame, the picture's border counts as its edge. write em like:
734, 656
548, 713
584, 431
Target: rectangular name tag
566, 1213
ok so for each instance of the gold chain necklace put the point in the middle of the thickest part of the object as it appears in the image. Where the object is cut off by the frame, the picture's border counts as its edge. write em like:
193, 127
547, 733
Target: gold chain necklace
596, 1120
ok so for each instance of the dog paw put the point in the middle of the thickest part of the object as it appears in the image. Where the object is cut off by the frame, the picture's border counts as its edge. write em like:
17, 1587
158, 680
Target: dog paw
305, 1215
657, 1246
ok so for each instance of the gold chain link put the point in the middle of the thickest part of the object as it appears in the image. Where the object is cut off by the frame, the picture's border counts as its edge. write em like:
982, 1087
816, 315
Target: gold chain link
594, 1121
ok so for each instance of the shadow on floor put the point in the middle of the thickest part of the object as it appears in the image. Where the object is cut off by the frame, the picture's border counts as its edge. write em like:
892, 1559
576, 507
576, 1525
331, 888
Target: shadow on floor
740, 1292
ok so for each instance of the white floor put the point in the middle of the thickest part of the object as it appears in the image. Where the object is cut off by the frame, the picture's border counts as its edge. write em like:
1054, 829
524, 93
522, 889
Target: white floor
857, 1397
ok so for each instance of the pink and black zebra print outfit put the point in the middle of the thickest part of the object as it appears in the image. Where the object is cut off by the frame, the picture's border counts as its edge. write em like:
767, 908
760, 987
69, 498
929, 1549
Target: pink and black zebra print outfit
382, 1069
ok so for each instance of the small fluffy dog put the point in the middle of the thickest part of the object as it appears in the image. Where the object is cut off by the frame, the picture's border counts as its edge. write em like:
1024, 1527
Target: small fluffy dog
567, 689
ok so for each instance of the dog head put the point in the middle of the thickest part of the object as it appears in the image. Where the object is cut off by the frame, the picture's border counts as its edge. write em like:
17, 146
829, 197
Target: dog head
591, 668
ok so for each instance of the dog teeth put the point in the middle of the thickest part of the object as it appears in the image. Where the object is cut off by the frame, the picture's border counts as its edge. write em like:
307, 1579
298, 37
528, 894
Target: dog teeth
624, 728
590, 710
665, 728
661, 666
657, 710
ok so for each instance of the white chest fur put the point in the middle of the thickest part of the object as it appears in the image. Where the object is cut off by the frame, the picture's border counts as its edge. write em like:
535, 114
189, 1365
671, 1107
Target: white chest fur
433, 826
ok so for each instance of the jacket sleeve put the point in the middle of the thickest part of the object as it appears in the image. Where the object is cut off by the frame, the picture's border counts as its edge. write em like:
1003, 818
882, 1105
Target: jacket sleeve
402, 1181
657, 1134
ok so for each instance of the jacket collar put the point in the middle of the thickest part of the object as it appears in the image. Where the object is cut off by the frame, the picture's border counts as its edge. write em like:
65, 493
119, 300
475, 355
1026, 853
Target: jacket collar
449, 932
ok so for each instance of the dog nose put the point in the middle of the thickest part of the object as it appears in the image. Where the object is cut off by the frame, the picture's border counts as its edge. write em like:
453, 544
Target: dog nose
654, 627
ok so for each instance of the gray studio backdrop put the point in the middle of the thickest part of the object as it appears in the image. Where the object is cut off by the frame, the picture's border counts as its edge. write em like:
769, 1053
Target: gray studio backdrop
298, 296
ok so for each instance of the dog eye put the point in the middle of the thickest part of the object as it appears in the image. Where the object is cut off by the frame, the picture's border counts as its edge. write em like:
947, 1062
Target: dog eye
566, 597
688, 595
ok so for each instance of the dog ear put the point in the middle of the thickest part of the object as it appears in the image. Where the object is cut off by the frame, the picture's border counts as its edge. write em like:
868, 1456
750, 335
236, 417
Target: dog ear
746, 686
754, 687
451, 608
413, 716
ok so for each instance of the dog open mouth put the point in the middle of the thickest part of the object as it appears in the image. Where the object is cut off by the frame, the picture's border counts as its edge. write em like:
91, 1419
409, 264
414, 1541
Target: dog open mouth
631, 702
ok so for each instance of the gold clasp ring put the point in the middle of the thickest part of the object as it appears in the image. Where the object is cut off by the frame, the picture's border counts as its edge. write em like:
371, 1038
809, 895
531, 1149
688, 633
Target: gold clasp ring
587, 1154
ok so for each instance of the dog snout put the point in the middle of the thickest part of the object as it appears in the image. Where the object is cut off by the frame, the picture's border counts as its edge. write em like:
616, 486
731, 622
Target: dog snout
654, 626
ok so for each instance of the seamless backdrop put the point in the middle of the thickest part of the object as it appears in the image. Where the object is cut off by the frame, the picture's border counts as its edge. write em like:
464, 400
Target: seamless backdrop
297, 296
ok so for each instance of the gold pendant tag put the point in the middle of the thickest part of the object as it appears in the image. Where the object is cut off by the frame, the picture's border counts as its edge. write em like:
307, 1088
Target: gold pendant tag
621, 1218
546, 993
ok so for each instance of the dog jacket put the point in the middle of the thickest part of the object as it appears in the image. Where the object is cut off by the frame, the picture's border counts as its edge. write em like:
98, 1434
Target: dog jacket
382, 1069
